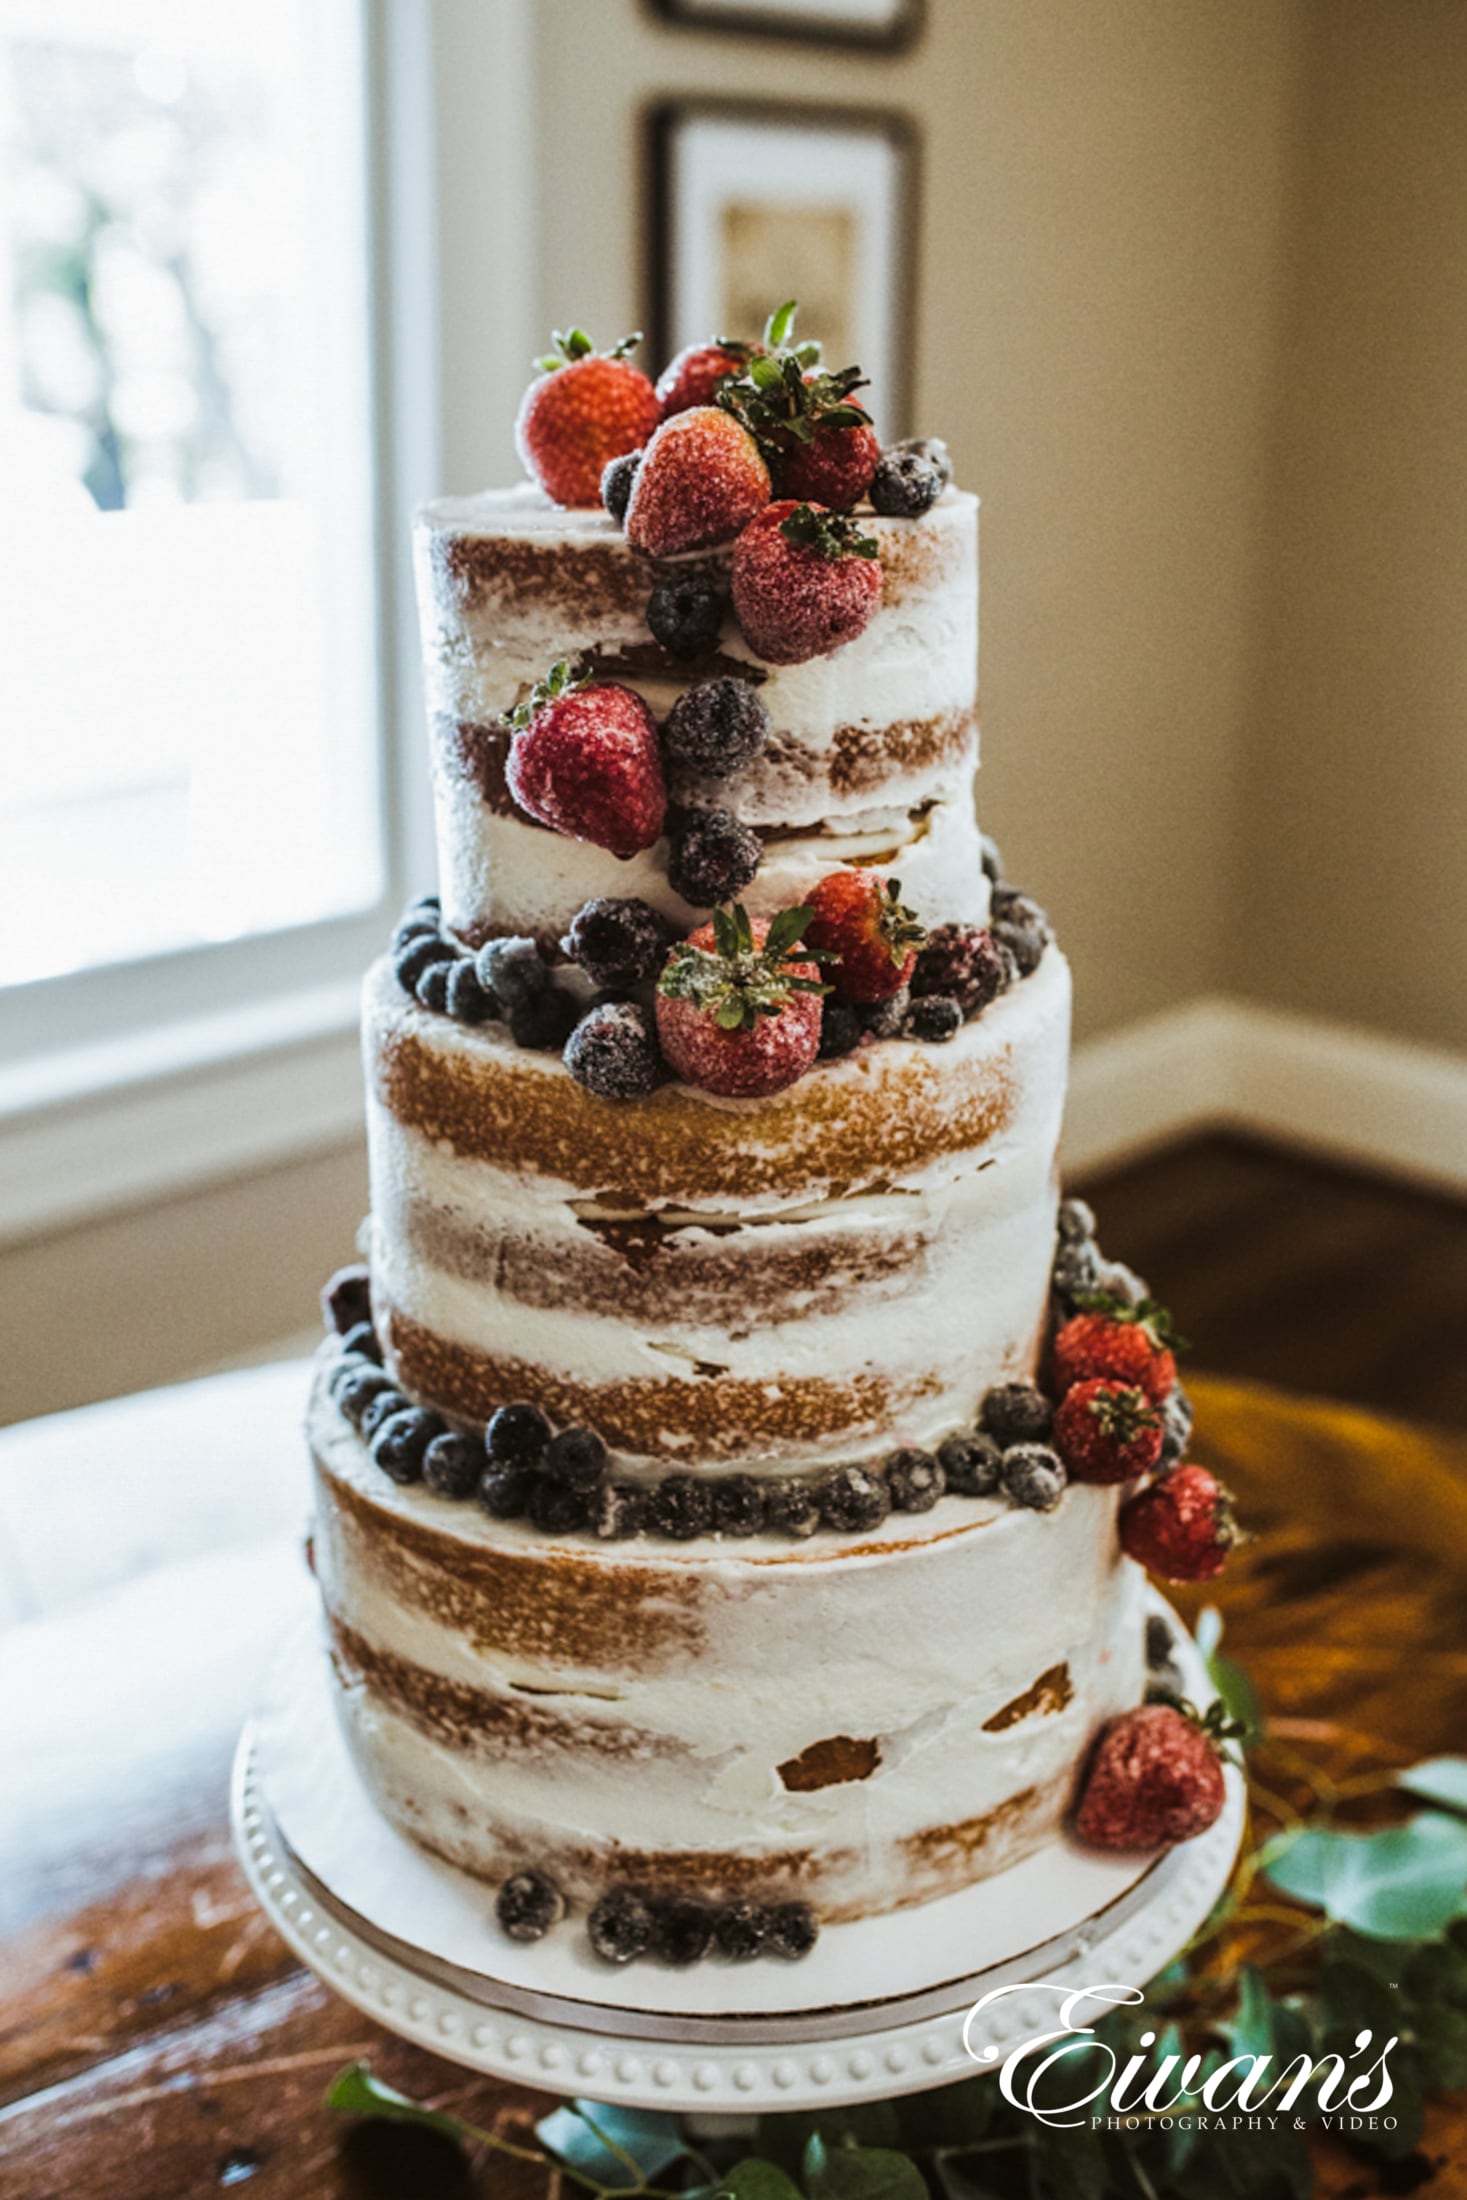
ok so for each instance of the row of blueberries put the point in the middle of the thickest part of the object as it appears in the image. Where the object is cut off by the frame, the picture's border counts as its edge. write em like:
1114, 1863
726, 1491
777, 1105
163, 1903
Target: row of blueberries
628, 1922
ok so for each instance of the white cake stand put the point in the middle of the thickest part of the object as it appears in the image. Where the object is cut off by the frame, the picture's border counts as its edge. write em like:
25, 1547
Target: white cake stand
878, 2008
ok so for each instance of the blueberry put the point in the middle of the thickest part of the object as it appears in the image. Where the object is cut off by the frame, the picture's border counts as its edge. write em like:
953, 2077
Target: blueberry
558, 1509
418, 924
528, 1905
513, 970
345, 1370
432, 988
840, 1028
931, 448
453, 1464
682, 1931
504, 1492
544, 1023
620, 1925
1009, 906
915, 1480
971, 1462
1120, 1282
853, 1499
905, 485
618, 1510
401, 1441
1176, 1427
738, 1505
681, 1507
1076, 1270
887, 1019
790, 1930
362, 1340
686, 614
1075, 1222
713, 858
466, 999
361, 1391
613, 1052
791, 1508
1026, 947
740, 1930
617, 478
1033, 1476
383, 1408
517, 1436
346, 1299
618, 942
1016, 1413
419, 956
431, 904
717, 728
1158, 1640
935, 1018
992, 856
576, 1458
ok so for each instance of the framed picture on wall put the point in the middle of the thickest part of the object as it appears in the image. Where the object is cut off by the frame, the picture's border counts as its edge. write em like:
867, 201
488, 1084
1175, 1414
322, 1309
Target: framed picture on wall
753, 203
886, 24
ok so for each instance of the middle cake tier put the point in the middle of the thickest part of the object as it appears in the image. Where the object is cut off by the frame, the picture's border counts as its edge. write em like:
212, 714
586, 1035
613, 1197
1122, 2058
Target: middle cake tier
772, 1285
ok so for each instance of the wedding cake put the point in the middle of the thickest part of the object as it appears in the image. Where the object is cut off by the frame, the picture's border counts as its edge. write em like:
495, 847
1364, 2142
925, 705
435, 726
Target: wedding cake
730, 1452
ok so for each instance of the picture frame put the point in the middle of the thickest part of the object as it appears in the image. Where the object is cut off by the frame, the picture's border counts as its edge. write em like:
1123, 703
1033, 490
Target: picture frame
752, 202
877, 26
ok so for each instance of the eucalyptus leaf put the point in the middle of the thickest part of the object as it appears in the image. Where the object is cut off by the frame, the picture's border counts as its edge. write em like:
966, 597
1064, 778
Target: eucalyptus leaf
860, 2173
1397, 1883
578, 2135
1250, 2030
757, 2180
1437, 1780
357, 2093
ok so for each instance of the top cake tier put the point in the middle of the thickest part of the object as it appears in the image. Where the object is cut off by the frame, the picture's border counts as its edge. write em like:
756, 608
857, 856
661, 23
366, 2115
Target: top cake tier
872, 749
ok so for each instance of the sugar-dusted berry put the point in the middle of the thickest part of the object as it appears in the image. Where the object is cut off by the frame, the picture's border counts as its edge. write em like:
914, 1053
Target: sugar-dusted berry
971, 1462
905, 485
362, 1340
790, 1930
617, 478
1034, 1476
681, 1507
545, 1023
1154, 1778
840, 1029
556, 1508
686, 612
693, 377
466, 998
362, 1388
618, 1511
419, 955
682, 1931
934, 1019
379, 1411
577, 1458
1181, 1527
584, 760
713, 858
527, 1905
504, 1492
853, 1499
453, 1464
962, 962
620, 1925
740, 1930
914, 1478
738, 1505
1134, 1344
1107, 1431
585, 409
346, 1298
701, 479
805, 582
613, 1052
431, 990
618, 942
717, 728
871, 939
512, 971
738, 1004
792, 1508
517, 1436
1016, 1413
401, 1441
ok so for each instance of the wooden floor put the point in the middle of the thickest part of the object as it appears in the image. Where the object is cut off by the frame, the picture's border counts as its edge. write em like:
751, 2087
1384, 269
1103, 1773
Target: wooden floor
1301, 1274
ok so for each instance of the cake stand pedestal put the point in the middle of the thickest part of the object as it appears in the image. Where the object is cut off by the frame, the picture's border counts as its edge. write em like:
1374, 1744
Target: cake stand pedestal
880, 2007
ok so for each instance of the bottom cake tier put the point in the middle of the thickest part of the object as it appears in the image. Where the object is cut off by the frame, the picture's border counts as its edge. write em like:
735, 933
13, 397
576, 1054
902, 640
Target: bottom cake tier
859, 1722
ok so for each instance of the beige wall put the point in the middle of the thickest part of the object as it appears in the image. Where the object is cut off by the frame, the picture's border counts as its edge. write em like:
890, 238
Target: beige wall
1352, 892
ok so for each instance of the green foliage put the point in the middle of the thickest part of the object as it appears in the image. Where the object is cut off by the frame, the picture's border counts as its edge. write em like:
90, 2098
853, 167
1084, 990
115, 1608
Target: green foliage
1396, 1883
737, 981
1439, 1780
831, 533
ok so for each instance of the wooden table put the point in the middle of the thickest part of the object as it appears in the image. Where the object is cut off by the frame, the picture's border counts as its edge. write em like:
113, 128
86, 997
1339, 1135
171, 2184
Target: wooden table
158, 2040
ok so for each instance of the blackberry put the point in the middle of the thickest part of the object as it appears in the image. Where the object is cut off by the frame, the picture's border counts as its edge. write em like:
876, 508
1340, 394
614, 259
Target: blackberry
528, 1905
513, 970
791, 1508
1158, 1640
544, 1023
1009, 906
1176, 1428
840, 1028
618, 1510
617, 942
361, 1391
401, 1441
431, 989
1016, 1413
971, 1462
680, 1507
740, 1930
853, 1499
1076, 1270
617, 478
992, 858
1075, 1222
915, 1480
613, 1052
420, 955
517, 1436
716, 728
576, 1459
383, 1408
931, 448
504, 1492
933, 1019
453, 1464
362, 1340
790, 1930
620, 1925
686, 614
556, 1508
964, 962
682, 1931
904, 485
1033, 1476
713, 858
1026, 947
467, 999
346, 1299
738, 1505
885, 1019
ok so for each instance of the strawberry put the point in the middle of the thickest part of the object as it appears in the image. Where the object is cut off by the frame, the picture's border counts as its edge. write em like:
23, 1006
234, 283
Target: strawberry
701, 479
587, 408
859, 921
1111, 1337
584, 759
738, 1004
693, 377
804, 582
836, 465
1154, 1778
821, 447
1107, 1431
1181, 1528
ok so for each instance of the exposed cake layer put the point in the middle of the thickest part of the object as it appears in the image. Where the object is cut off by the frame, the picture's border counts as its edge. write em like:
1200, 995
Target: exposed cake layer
862, 1722
777, 1283
863, 740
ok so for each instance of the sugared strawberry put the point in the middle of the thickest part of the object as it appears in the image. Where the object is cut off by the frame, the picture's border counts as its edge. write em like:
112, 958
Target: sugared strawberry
1181, 1527
1107, 1431
820, 445
585, 760
836, 465
1154, 1778
587, 408
738, 1004
693, 377
701, 479
1112, 1337
858, 920
805, 581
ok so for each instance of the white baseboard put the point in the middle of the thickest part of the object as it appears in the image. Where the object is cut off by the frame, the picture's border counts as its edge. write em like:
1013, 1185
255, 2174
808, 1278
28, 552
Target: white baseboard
1217, 1063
